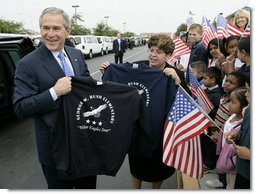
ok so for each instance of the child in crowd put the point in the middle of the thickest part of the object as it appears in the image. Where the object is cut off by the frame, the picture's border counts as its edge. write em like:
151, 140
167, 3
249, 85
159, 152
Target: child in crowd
197, 68
243, 53
216, 52
198, 49
242, 146
227, 156
234, 80
232, 63
212, 82
184, 59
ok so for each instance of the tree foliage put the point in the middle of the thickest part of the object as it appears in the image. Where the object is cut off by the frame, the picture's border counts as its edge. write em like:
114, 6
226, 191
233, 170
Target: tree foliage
128, 34
102, 29
77, 29
11, 27
181, 28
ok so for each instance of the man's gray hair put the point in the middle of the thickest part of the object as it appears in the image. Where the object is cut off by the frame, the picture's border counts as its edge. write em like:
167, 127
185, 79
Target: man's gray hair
56, 11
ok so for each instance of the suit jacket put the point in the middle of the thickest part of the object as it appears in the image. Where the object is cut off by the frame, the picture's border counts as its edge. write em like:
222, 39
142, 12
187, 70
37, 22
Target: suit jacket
35, 74
116, 46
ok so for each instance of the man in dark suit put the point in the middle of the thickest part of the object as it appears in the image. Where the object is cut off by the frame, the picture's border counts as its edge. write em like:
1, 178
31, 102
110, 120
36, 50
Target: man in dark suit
119, 49
41, 78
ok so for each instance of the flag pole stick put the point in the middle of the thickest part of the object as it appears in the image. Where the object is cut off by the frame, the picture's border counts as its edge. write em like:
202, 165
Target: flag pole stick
194, 102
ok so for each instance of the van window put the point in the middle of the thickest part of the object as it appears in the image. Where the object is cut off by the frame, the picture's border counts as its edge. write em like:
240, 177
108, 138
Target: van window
99, 40
85, 40
89, 40
77, 40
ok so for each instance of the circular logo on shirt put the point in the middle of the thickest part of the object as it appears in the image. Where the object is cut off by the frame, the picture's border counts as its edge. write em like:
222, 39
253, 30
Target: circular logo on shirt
96, 113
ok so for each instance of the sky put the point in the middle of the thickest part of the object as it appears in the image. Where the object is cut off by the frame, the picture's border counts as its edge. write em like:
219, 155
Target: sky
136, 16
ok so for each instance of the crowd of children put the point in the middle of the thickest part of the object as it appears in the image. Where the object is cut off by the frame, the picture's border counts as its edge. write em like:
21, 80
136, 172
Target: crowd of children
222, 69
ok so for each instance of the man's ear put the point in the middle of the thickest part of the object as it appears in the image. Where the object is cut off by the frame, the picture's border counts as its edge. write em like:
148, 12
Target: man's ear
68, 30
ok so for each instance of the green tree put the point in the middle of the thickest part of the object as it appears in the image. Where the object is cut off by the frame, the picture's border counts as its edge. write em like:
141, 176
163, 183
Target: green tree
77, 29
11, 27
101, 29
182, 27
128, 34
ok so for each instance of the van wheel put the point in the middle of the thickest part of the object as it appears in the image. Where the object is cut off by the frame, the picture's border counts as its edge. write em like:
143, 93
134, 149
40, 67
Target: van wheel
90, 54
102, 52
106, 51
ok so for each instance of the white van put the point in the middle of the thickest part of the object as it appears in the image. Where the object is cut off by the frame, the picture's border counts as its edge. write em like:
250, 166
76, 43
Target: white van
89, 45
107, 43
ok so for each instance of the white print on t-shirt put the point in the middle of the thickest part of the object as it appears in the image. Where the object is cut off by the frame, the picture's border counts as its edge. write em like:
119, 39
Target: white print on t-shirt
143, 91
95, 112
95, 119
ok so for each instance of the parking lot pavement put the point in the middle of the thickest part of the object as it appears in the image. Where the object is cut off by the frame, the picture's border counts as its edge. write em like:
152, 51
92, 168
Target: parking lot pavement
207, 176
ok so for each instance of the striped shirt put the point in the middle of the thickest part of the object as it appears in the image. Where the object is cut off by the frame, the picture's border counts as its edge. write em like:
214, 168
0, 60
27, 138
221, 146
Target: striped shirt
223, 111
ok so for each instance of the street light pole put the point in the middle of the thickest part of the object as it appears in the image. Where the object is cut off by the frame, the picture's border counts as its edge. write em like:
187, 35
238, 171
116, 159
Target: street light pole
124, 27
75, 7
106, 17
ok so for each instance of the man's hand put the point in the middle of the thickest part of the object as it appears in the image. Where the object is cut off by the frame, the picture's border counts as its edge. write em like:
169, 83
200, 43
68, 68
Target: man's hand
63, 86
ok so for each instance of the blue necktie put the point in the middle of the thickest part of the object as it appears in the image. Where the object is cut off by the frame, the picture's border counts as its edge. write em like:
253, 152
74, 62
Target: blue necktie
66, 68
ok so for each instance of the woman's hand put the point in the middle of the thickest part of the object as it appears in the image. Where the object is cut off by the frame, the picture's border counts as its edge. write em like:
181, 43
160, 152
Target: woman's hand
103, 66
171, 72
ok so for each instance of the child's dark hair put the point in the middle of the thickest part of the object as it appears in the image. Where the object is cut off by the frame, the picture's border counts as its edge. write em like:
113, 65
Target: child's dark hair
247, 79
239, 76
214, 72
200, 66
217, 42
240, 94
244, 44
226, 41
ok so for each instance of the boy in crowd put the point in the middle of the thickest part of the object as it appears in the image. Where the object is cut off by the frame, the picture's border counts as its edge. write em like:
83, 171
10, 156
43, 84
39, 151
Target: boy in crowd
197, 68
198, 49
212, 81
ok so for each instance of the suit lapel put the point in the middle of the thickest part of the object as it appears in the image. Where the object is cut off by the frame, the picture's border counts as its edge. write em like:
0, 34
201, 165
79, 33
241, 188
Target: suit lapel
50, 63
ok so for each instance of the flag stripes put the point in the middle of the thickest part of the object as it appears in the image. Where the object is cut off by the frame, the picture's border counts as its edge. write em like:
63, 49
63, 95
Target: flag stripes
199, 93
185, 122
179, 50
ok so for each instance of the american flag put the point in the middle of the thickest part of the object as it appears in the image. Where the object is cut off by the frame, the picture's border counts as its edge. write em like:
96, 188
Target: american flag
179, 50
208, 31
222, 30
199, 93
234, 30
181, 142
189, 21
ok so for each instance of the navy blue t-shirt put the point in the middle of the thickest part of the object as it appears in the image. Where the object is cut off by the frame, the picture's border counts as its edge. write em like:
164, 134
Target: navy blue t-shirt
96, 124
157, 90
